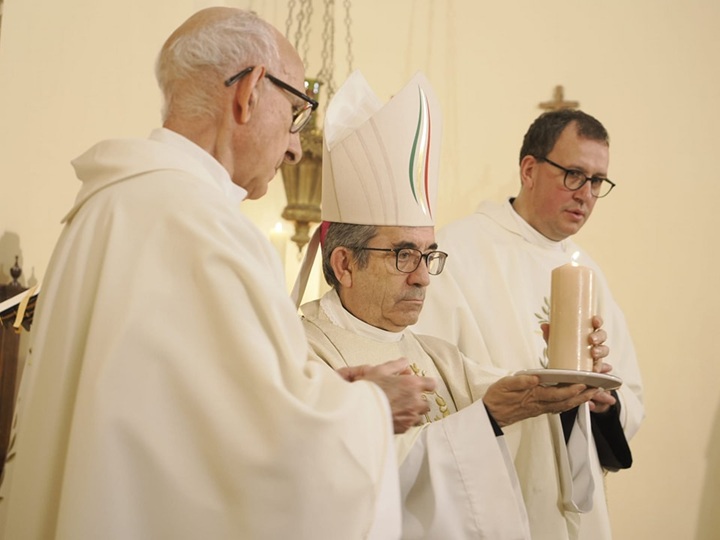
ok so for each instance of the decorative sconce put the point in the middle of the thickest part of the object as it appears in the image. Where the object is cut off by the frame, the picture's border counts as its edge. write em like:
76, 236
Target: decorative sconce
303, 182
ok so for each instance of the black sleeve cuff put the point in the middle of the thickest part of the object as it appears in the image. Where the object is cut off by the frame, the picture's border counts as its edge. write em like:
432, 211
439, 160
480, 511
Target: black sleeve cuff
567, 419
612, 446
496, 428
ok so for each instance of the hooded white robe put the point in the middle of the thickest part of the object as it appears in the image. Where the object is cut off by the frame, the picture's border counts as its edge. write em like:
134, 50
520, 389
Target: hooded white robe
456, 476
490, 301
169, 393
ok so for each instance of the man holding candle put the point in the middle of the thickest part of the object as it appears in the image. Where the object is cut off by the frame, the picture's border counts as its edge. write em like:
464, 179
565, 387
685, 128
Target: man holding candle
494, 298
379, 253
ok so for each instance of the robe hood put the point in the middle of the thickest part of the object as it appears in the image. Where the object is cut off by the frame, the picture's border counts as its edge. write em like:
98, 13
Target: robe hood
112, 161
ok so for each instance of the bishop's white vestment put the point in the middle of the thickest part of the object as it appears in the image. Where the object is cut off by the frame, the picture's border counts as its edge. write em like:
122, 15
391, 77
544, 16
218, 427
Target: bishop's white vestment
169, 393
490, 300
456, 476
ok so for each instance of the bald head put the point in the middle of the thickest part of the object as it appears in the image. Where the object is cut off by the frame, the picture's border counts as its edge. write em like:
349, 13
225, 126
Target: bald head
217, 72
206, 49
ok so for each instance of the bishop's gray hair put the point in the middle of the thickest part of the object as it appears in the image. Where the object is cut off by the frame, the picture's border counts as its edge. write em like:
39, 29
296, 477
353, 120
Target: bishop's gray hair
211, 46
350, 236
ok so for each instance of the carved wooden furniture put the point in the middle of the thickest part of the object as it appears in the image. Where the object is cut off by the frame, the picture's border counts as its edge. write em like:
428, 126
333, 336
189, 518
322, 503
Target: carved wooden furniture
10, 328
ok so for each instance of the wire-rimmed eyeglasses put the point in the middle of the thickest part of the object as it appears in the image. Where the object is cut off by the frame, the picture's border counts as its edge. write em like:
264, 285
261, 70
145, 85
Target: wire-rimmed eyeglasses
407, 260
301, 115
575, 180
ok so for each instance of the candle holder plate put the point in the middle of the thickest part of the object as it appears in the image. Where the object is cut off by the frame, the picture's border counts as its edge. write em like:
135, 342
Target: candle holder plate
553, 377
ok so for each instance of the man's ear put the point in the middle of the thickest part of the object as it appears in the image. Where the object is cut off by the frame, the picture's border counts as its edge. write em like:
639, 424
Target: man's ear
341, 262
247, 95
528, 171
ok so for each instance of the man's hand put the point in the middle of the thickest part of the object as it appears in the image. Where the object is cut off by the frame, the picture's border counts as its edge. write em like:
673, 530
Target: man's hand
518, 397
404, 390
597, 339
602, 400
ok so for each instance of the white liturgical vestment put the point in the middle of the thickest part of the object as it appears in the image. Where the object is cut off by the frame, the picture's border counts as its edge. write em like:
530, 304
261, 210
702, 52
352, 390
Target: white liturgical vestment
457, 478
169, 394
490, 300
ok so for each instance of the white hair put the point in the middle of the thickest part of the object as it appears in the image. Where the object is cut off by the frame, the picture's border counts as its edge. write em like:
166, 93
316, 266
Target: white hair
210, 47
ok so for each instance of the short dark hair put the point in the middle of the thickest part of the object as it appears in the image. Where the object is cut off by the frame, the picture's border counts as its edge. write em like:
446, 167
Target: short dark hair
544, 132
347, 235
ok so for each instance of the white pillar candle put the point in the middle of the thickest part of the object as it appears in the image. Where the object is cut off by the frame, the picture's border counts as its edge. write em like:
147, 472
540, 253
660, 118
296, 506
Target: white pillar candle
572, 306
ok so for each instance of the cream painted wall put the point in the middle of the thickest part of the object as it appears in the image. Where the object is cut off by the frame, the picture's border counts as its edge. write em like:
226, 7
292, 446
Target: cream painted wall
77, 71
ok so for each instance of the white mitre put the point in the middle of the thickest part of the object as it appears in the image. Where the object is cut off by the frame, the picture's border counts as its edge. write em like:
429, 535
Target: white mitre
380, 162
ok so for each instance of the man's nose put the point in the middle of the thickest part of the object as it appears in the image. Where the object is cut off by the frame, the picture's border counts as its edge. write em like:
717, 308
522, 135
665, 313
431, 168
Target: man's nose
420, 276
294, 152
584, 193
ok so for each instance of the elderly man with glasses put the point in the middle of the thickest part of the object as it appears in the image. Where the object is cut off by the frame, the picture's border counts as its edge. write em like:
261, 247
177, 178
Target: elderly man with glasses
379, 256
494, 299
170, 394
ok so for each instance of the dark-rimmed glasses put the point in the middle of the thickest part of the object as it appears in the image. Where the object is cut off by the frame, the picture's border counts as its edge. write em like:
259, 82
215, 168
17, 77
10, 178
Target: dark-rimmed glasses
407, 260
301, 115
575, 180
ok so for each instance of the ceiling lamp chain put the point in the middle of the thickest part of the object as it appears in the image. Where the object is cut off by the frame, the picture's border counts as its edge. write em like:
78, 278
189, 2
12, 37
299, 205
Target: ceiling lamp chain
301, 40
348, 36
326, 73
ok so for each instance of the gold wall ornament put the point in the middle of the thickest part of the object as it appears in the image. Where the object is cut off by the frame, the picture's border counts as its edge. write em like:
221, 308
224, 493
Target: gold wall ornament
303, 181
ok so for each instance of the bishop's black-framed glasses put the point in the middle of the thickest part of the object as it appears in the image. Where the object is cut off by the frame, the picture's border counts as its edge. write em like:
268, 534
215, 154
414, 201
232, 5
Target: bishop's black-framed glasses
301, 115
407, 260
575, 180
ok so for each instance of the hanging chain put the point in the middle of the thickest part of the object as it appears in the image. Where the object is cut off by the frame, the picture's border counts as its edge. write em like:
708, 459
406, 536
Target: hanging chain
348, 36
302, 32
328, 50
288, 23
302, 35
308, 8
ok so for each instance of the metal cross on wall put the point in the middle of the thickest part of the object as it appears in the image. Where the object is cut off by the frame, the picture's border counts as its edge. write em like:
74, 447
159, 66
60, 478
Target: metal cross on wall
558, 102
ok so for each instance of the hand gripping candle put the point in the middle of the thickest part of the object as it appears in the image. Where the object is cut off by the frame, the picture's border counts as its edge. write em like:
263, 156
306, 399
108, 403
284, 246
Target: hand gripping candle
572, 306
